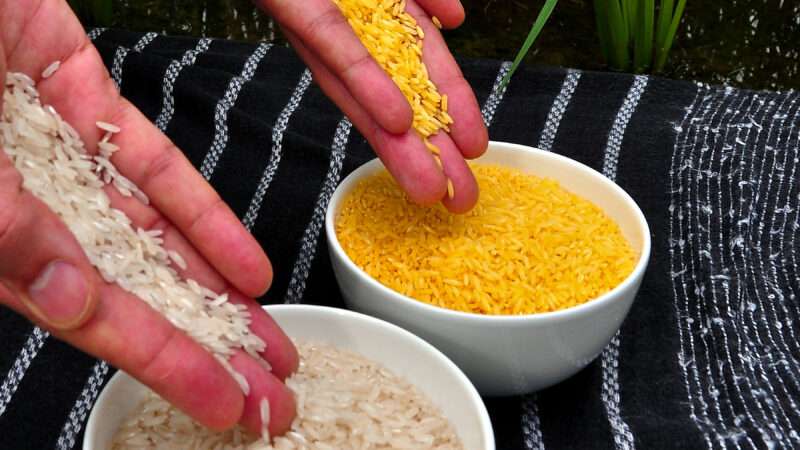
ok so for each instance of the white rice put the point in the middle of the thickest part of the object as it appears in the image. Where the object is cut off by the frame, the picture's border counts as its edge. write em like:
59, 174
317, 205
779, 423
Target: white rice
57, 169
110, 127
51, 69
344, 401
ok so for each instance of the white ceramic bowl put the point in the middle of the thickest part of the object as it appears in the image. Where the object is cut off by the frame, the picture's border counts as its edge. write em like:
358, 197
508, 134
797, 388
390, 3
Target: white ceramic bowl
394, 348
508, 355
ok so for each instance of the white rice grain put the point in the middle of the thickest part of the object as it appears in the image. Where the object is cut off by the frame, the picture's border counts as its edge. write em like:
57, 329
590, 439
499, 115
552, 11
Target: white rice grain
51, 69
105, 126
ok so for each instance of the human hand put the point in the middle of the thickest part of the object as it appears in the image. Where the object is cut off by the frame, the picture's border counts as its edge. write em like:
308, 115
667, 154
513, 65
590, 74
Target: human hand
45, 275
357, 84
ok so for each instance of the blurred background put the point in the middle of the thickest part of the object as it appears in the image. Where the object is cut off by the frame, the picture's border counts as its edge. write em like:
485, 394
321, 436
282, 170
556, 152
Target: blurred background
744, 43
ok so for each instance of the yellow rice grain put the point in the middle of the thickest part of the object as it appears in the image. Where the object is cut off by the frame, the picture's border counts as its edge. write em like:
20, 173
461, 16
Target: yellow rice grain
436, 22
529, 246
432, 147
438, 161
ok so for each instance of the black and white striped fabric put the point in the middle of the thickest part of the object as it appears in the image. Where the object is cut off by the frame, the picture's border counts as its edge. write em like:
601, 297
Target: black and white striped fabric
709, 356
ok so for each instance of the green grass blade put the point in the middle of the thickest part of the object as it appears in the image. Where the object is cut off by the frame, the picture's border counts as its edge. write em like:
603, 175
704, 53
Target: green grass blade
631, 17
664, 49
541, 20
619, 36
603, 32
664, 19
643, 54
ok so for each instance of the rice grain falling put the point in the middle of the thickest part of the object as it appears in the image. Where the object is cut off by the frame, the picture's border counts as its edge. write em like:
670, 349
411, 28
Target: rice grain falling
344, 401
527, 247
395, 40
57, 169
51, 69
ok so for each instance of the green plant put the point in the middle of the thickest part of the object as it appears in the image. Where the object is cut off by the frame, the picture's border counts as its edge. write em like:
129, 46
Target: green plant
538, 24
630, 36
93, 12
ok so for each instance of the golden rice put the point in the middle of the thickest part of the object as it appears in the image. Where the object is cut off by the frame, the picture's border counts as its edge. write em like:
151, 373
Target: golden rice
529, 246
394, 39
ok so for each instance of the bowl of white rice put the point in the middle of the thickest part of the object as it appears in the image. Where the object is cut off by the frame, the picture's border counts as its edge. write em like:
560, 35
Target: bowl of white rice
362, 383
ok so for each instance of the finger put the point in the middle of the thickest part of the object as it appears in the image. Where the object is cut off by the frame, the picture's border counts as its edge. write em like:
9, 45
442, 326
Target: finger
280, 353
41, 263
264, 385
164, 358
468, 130
324, 31
404, 155
465, 188
449, 12
83, 93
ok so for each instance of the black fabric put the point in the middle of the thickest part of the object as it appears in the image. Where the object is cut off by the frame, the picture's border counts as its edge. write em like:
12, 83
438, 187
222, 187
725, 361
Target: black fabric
708, 355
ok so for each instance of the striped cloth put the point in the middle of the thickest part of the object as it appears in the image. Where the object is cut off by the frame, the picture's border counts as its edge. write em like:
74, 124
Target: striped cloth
709, 356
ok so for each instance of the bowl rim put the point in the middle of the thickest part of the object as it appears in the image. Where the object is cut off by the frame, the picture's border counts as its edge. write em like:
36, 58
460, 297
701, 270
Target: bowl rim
89, 441
587, 307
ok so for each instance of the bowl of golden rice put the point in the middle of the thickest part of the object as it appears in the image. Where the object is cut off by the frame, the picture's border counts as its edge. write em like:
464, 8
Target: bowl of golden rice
523, 291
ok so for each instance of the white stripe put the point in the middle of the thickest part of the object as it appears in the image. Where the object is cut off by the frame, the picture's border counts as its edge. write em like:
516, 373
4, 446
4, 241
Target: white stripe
708, 274
122, 53
17, 372
770, 286
145, 41
496, 96
277, 147
788, 207
95, 33
684, 361
723, 394
77, 415
223, 108
171, 76
747, 396
765, 352
297, 284
792, 230
620, 124
700, 323
712, 389
531, 426
116, 66
558, 108
756, 349
610, 393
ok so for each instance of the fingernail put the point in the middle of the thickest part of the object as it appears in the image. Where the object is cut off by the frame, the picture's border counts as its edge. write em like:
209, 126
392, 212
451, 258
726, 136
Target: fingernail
60, 295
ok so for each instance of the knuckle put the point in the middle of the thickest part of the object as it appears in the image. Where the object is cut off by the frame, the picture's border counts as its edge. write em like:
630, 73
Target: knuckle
328, 18
159, 364
357, 65
161, 164
215, 207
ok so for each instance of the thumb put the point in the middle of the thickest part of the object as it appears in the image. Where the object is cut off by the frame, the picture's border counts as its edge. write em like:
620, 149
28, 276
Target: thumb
41, 263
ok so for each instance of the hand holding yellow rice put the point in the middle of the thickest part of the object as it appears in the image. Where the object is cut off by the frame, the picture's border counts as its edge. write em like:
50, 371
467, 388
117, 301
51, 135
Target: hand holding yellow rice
395, 40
